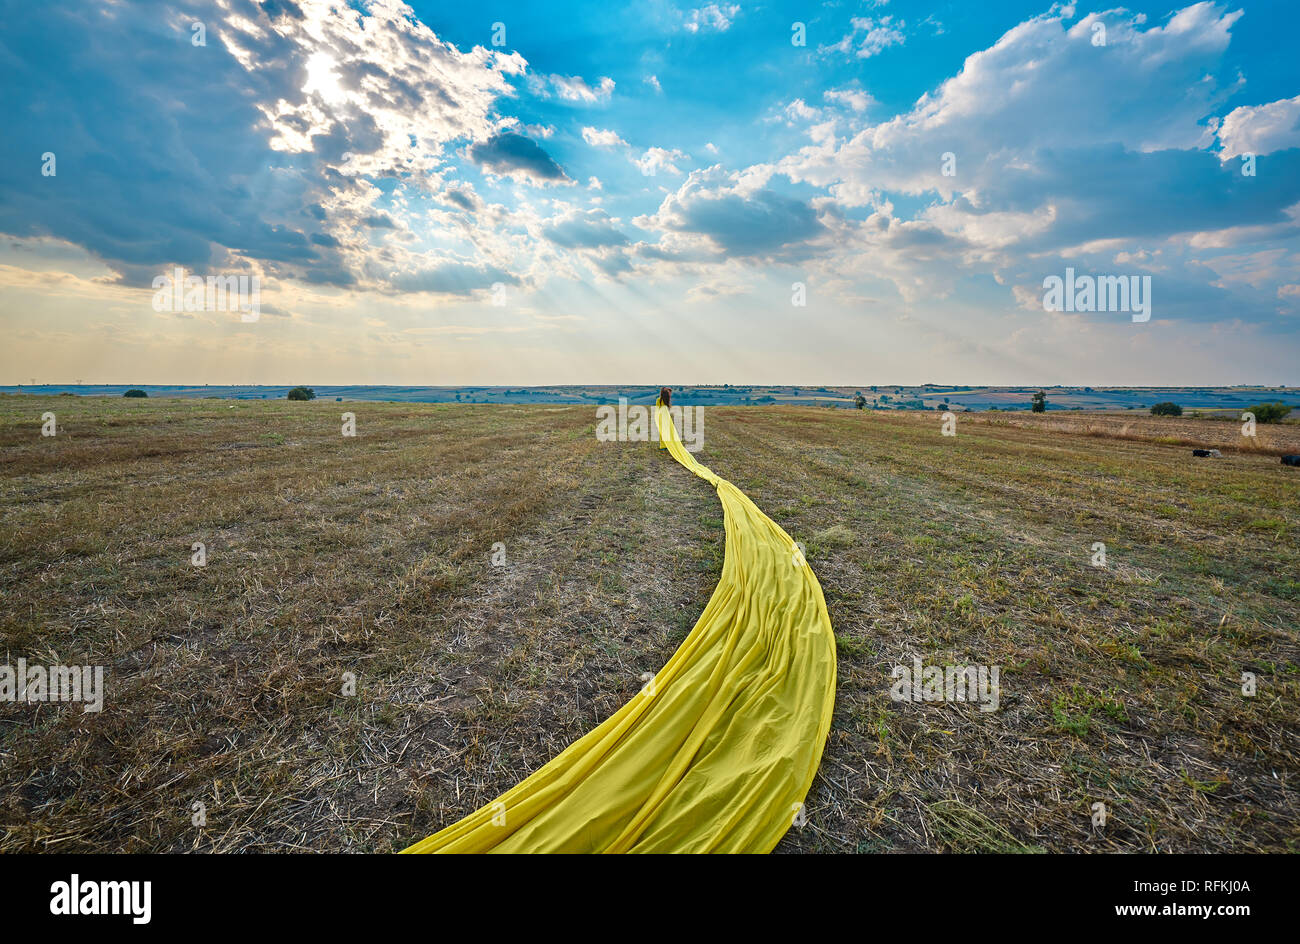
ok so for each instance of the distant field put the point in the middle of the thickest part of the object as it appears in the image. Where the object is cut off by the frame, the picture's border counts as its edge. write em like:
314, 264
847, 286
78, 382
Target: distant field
1135, 400
1223, 433
372, 556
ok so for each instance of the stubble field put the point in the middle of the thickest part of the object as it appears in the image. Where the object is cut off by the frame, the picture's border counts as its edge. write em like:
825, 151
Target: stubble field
371, 557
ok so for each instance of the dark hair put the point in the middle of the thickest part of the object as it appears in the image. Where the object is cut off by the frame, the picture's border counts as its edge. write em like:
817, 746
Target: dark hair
666, 396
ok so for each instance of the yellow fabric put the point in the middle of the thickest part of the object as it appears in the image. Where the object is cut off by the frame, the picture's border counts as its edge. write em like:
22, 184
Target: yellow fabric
718, 752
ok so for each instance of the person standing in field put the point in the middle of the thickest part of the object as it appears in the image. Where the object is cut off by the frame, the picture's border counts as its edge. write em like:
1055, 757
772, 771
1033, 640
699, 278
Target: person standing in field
666, 400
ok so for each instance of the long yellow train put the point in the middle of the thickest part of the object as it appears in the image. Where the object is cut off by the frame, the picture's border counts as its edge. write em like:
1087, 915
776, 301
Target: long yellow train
717, 753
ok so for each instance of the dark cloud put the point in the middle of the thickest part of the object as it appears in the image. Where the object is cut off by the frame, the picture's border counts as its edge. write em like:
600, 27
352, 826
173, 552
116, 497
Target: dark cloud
747, 225
164, 156
157, 161
338, 277
1114, 193
462, 197
515, 155
277, 8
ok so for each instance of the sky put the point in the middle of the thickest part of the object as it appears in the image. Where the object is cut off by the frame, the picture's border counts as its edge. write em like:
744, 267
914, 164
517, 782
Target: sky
655, 192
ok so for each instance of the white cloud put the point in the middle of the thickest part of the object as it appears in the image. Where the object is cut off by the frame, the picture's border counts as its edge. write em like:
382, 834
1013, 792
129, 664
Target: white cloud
1260, 129
597, 138
713, 17
1061, 149
656, 159
798, 110
737, 217
1042, 85
572, 88
870, 37
855, 99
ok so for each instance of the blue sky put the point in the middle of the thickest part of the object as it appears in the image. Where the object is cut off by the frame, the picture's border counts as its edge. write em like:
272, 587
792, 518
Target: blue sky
527, 193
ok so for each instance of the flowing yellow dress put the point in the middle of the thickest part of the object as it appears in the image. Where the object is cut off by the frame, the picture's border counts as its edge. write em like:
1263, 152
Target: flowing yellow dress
717, 753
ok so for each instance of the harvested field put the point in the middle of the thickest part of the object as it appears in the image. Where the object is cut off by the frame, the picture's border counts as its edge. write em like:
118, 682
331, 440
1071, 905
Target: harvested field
1212, 432
372, 555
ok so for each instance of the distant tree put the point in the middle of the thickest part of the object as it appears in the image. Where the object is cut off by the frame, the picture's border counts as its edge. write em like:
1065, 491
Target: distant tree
943, 406
1039, 402
1269, 412
302, 393
860, 402
1166, 408
134, 392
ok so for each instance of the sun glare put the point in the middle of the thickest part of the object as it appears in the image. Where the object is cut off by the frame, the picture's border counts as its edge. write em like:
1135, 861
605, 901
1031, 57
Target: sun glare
321, 78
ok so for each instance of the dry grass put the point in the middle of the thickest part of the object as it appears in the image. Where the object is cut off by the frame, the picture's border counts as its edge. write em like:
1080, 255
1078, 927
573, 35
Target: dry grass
372, 555
1223, 432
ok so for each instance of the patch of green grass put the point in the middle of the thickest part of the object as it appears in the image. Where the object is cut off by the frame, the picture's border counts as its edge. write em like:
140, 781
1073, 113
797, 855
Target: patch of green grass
1274, 525
1201, 786
835, 536
1069, 721
847, 646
